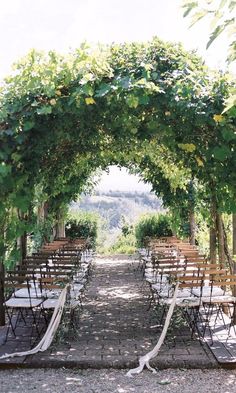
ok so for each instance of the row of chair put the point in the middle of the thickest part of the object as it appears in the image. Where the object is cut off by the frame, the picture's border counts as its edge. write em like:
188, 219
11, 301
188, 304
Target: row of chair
205, 289
33, 288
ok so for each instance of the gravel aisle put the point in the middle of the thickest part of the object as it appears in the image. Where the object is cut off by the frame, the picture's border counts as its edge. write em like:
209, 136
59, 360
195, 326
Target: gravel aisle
115, 381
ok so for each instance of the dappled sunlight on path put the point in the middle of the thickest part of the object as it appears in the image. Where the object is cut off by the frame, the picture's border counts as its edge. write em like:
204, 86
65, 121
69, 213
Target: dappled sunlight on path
116, 326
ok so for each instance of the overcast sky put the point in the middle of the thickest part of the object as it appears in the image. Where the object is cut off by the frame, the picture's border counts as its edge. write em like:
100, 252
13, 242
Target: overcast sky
63, 24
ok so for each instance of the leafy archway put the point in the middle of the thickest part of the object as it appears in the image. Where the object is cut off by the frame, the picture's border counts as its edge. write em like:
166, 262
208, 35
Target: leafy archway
152, 107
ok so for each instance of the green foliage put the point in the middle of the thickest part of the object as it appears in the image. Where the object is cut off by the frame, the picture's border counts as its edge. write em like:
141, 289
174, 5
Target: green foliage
12, 256
180, 222
126, 229
152, 107
113, 206
125, 244
153, 225
82, 224
41, 234
117, 211
222, 17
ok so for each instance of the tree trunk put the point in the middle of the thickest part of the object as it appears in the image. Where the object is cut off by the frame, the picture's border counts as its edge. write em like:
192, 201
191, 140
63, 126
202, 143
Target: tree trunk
2, 308
234, 234
227, 252
22, 241
213, 232
213, 245
42, 218
192, 226
40, 214
234, 262
220, 235
23, 246
191, 212
45, 210
234, 294
3, 223
59, 229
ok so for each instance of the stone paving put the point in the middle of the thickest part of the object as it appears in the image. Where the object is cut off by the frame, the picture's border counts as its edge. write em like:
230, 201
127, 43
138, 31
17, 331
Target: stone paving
116, 327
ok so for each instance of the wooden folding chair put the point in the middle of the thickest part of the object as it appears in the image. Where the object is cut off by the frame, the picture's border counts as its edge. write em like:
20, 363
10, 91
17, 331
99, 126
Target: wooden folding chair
220, 304
51, 288
22, 299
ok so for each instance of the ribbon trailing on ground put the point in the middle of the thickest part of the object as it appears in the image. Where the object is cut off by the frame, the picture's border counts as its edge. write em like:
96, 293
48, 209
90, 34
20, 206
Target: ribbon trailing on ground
144, 360
46, 341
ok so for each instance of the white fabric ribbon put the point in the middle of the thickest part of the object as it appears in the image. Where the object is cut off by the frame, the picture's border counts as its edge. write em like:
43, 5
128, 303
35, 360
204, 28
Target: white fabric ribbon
144, 360
46, 341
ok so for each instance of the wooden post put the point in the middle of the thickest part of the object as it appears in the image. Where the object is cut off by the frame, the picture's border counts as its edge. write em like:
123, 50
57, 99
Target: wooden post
2, 308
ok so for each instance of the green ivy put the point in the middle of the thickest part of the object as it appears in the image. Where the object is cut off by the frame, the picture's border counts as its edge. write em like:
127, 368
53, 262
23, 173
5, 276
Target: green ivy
152, 107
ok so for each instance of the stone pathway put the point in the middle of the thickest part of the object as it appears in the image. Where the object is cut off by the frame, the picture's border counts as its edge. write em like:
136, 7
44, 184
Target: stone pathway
116, 327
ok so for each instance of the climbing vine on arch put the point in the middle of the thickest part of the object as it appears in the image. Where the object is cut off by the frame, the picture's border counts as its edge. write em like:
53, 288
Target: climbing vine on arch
61, 117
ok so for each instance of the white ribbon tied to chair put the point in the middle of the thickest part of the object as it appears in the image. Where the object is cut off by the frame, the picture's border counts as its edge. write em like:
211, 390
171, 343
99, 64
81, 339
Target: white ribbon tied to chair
46, 341
144, 360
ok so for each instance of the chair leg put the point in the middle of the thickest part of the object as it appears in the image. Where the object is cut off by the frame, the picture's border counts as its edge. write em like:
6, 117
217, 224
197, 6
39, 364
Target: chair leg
10, 316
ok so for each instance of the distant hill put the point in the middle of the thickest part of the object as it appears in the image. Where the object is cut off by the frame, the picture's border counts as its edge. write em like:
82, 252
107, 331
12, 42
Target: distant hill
115, 207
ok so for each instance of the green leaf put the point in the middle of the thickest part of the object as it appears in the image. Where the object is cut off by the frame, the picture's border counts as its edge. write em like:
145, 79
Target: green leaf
222, 3
28, 125
20, 138
231, 102
232, 5
154, 75
125, 82
189, 147
132, 101
3, 114
189, 7
144, 99
88, 90
103, 90
152, 125
8, 132
134, 130
228, 134
87, 78
44, 110
16, 157
5, 169
221, 153
198, 16
21, 202
218, 30
35, 103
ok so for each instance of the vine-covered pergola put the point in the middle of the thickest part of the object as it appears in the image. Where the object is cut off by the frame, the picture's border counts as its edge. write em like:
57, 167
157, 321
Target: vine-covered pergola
152, 107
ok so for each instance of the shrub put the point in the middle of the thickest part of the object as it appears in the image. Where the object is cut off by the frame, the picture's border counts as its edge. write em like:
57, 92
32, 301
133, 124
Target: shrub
82, 224
125, 244
152, 225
